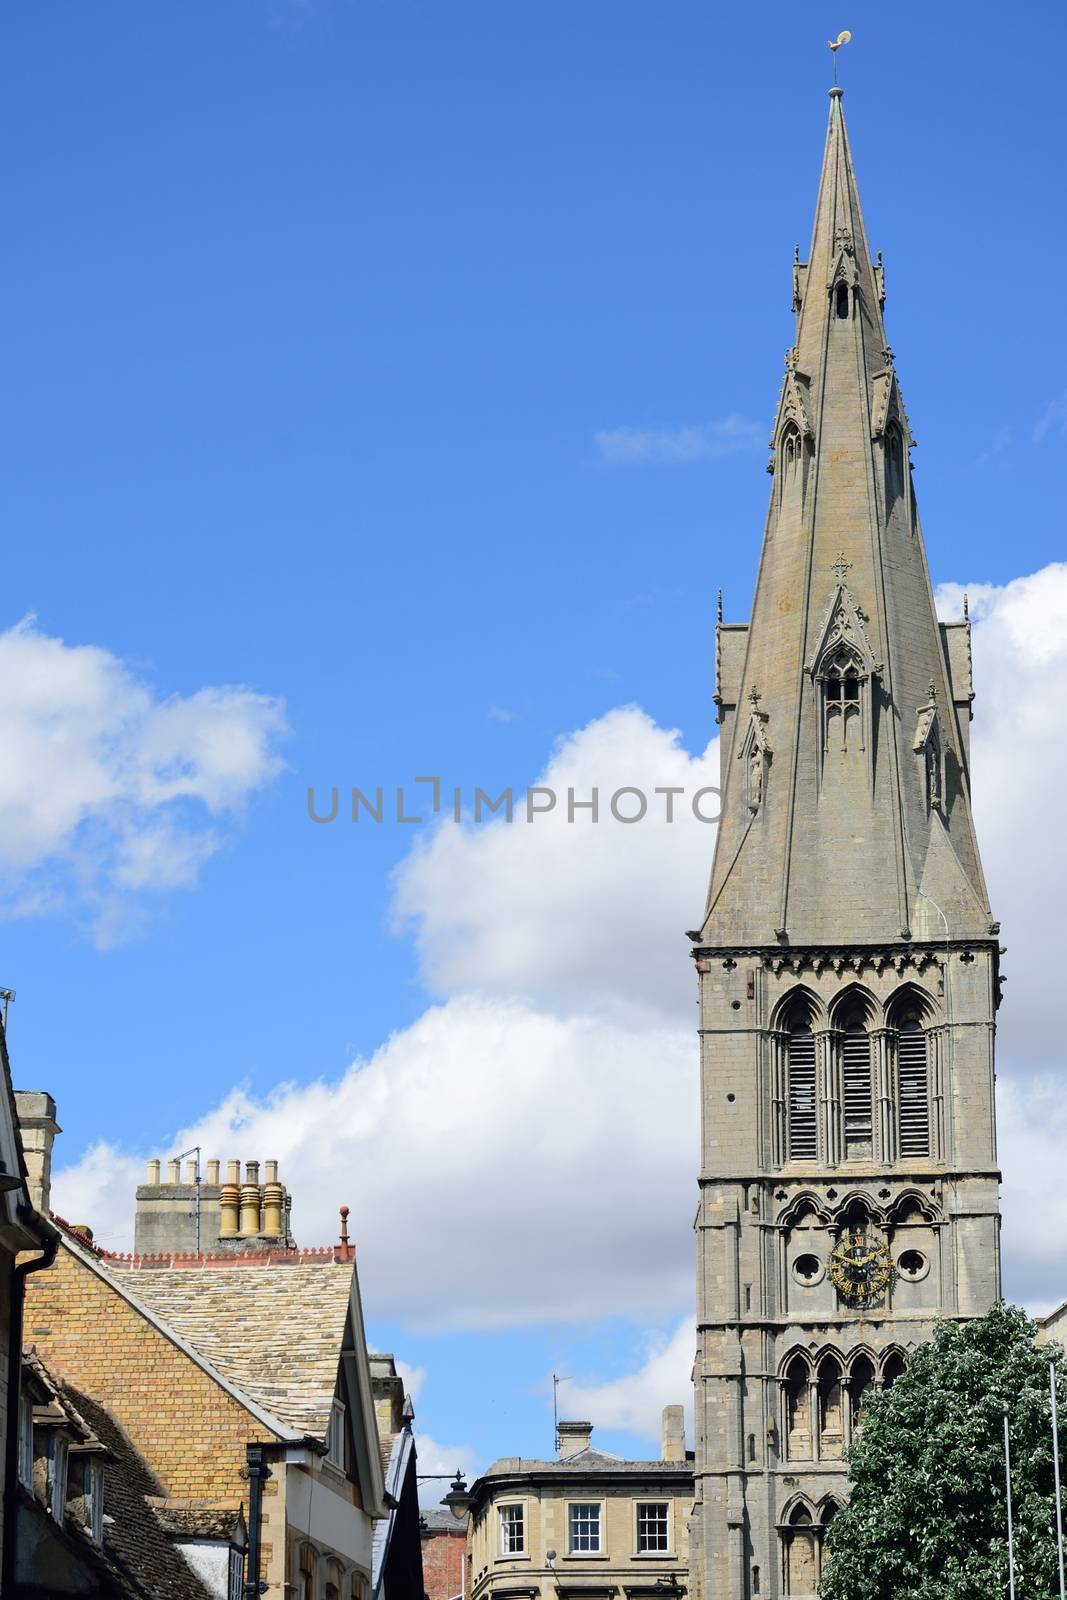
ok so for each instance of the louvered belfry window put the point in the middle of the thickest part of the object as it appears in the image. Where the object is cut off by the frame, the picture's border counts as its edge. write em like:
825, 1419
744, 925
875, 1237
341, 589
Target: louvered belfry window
913, 1091
856, 1073
803, 1140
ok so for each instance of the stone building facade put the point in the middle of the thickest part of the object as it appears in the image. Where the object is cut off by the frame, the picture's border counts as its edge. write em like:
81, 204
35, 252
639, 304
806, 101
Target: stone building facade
586, 1525
848, 960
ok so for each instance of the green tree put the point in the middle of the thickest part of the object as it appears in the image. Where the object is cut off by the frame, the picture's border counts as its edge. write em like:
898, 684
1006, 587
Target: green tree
927, 1512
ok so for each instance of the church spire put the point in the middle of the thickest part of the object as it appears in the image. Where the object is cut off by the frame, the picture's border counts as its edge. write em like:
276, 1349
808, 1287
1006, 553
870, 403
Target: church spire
846, 809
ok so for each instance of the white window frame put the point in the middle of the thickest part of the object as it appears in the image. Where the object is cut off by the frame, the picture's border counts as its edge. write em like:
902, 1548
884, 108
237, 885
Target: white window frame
335, 1436
26, 1441
644, 1505
235, 1574
511, 1506
94, 1477
585, 1505
56, 1474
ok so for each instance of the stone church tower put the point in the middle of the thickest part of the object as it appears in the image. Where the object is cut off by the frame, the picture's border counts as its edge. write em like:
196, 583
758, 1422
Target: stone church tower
848, 961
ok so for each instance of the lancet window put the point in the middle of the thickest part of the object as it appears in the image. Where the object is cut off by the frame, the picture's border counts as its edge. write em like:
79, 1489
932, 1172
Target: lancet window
894, 466
803, 1535
913, 1088
857, 1093
802, 1105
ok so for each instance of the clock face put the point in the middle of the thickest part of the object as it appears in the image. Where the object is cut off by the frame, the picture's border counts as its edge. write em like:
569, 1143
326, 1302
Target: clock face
861, 1269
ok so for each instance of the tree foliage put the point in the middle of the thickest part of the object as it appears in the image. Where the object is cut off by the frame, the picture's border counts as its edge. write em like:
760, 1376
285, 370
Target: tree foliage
927, 1511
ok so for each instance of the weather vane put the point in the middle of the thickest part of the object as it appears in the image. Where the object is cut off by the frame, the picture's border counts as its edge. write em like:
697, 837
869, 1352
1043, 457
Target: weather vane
844, 37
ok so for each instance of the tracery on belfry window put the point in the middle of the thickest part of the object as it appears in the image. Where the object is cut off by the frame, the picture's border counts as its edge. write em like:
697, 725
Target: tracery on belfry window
841, 678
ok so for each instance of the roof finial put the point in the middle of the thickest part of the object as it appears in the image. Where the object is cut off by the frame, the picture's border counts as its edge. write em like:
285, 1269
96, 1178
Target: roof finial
344, 1249
966, 607
718, 608
844, 37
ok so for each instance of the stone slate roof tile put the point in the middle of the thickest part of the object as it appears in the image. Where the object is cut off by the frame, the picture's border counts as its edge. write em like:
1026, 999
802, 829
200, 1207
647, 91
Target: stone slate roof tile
275, 1332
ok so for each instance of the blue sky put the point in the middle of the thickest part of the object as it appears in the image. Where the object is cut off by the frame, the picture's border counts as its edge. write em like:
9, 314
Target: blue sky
322, 320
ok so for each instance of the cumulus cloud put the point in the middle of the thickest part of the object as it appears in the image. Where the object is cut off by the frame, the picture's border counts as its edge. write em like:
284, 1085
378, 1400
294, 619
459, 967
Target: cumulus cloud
506, 1122
574, 913
1019, 762
699, 441
634, 1401
107, 792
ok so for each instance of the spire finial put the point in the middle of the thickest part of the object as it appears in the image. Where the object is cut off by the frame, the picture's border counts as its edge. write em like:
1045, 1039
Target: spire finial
966, 607
718, 608
844, 37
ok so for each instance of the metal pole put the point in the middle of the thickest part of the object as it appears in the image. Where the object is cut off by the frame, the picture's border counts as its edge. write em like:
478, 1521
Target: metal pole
1007, 1485
1056, 1470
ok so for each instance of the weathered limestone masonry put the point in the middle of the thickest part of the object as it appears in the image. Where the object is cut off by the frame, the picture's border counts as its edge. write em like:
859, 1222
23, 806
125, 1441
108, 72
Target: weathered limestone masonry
848, 960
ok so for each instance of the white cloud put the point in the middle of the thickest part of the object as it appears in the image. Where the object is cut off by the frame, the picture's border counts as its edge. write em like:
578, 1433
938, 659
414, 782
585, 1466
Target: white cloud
1054, 419
490, 1124
108, 793
704, 441
573, 914
434, 1460
635, 1401
1019, 761
413, 1378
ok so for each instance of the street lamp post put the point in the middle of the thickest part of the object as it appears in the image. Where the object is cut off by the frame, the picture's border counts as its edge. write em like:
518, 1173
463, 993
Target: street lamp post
1056, 1468
1007, 1485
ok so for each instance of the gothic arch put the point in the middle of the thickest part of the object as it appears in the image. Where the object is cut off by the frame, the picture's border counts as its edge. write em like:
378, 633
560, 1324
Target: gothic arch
861, 1352
854, 1203
893, 1363
801, 1005
801, 1206
856, 1000
828, 1508
910, 1000
796, 1352
798, 1503
790, 460
904, 1206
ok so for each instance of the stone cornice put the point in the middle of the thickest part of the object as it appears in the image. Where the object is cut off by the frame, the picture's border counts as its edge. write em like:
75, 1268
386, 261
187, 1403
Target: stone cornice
843, 957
